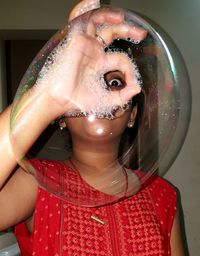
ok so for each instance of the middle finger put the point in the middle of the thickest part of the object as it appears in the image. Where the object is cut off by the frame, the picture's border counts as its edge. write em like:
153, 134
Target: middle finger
110, 33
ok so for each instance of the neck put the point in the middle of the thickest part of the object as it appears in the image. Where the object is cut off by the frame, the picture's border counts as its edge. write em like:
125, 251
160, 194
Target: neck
101, 170
94, 157
98, 165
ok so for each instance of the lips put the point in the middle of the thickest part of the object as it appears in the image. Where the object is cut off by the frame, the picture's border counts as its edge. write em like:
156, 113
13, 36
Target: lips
115, 112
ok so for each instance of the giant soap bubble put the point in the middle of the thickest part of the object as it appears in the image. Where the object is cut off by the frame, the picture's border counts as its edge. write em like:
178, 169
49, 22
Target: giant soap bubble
113, 144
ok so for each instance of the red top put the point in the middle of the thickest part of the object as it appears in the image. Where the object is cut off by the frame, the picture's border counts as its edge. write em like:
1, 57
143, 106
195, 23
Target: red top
139, 225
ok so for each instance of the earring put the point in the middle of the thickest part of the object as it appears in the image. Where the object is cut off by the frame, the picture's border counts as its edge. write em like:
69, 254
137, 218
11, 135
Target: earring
130, 124
62, 124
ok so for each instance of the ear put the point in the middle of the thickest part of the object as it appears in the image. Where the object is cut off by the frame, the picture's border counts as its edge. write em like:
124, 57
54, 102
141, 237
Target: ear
134, 113
62, 123
83, 7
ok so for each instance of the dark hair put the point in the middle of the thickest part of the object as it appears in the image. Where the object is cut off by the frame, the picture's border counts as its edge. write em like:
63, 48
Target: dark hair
146, 61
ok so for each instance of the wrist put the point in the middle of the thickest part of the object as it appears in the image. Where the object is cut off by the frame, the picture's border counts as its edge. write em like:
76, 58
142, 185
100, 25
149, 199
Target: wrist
55, 108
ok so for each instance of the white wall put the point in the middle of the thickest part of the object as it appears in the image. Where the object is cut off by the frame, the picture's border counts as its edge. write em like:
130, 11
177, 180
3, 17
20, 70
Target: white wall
180, 18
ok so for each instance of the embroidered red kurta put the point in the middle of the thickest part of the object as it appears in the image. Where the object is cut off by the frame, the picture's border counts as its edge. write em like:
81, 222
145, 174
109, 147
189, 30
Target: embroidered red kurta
139, 225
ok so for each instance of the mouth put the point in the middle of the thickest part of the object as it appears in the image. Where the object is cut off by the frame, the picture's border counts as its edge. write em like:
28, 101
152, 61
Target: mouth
115, 112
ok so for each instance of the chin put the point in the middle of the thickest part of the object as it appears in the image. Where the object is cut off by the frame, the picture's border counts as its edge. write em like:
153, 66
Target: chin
99, 130
95, 130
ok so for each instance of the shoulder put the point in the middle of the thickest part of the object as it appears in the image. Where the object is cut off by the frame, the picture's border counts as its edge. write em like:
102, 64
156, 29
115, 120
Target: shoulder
158, 187
51, 175
45, 163
162, 186
45, 169
163, 193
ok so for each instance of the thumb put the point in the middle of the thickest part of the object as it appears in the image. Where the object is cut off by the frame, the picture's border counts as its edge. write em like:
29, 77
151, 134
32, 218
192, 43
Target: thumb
83, 7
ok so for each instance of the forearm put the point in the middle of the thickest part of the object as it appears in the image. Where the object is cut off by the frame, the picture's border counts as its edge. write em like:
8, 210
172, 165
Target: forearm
7, 159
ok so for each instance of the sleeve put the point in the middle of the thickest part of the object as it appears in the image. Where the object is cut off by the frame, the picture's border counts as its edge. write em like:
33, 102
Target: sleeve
164, 199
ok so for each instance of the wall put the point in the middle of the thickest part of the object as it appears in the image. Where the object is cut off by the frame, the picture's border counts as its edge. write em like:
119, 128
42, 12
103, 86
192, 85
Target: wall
180, 19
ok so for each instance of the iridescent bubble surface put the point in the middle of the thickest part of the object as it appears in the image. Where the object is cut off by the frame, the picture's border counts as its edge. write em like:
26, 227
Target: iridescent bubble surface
132, 139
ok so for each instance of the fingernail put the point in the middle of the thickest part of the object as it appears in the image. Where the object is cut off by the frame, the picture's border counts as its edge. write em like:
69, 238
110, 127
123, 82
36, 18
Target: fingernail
89, 6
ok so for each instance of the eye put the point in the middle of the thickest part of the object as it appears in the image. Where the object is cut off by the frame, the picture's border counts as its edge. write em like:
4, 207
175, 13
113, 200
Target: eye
115, 80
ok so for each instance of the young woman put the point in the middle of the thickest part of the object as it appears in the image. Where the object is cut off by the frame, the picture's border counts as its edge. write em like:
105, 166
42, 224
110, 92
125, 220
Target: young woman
145, 223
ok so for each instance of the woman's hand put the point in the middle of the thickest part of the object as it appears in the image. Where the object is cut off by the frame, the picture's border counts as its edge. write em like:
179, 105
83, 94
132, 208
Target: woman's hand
75, 79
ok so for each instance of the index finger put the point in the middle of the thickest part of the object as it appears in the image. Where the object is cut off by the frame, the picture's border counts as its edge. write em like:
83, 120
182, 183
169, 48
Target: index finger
103, 17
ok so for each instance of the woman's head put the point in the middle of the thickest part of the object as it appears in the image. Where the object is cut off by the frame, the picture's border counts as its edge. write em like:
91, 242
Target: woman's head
100, 130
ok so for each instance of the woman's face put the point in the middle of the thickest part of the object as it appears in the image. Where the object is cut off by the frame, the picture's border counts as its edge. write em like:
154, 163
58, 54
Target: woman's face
91, 128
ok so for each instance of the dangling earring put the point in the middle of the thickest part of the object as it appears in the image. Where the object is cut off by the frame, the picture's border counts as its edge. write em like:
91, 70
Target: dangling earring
62, 124
130, 124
